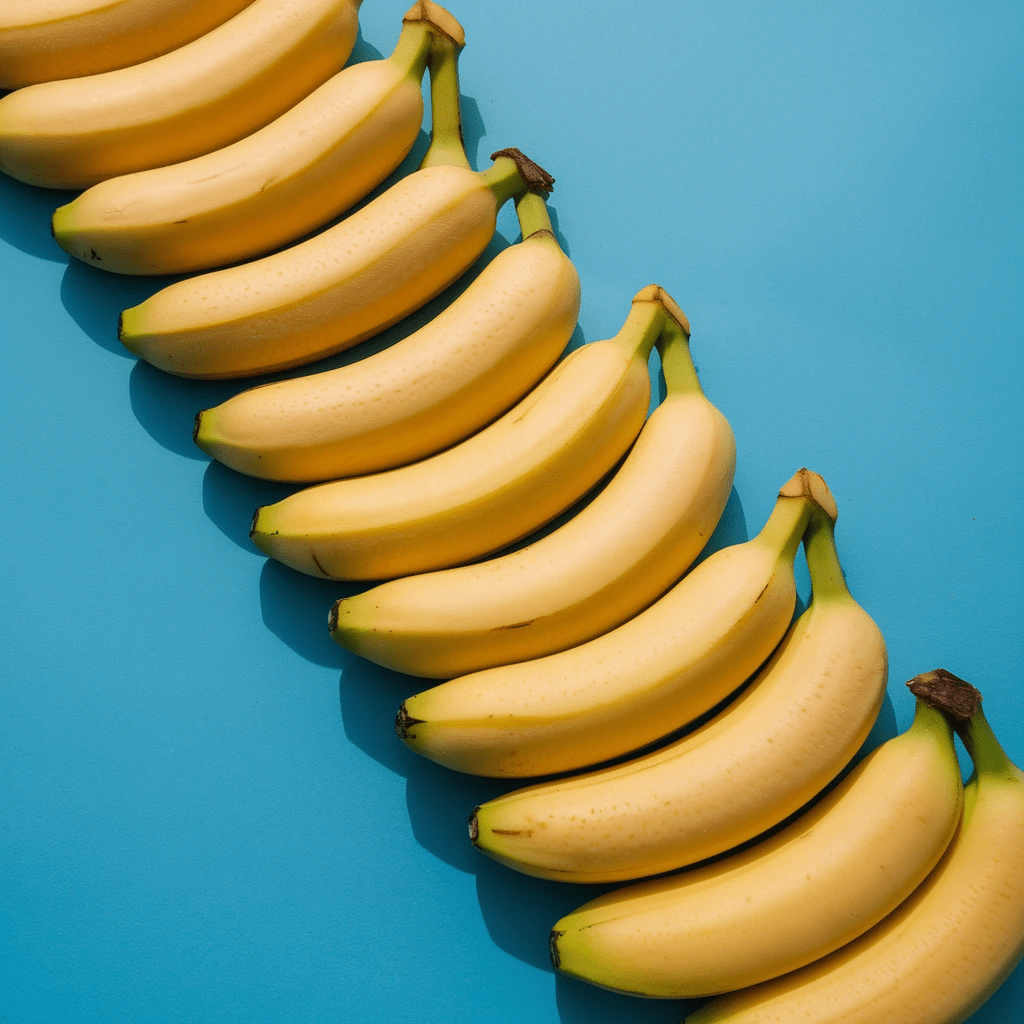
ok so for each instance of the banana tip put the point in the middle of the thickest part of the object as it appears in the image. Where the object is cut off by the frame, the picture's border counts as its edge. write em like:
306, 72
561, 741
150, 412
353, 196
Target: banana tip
556, 959
474, 827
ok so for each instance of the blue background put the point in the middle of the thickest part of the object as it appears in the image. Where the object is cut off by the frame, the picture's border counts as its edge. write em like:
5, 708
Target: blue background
206, 815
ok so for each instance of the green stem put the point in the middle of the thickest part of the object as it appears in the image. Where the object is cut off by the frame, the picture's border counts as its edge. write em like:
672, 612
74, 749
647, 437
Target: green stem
446, 144
676, 361
827, 582
533, 214
928, 718
642, 328
786, 525
412, 50
986, 751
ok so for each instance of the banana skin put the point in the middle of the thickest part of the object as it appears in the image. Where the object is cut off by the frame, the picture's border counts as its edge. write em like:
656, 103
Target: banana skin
942, 953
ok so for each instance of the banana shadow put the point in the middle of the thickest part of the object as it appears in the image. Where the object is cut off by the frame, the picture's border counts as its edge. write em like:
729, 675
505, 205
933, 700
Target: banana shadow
25, 212
230, 499
580, 1003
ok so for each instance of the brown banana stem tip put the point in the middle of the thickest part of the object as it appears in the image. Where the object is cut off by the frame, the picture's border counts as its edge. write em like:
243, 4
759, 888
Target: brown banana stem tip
474, 826
556, 958
953, 696
536, 178
404, 722
807, 484
439, 19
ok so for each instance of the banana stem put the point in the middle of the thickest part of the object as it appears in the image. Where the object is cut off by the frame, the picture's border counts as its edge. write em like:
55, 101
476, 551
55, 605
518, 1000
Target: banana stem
412, 50
786, 525
446, 143
986, 751
827, 581
533, 214
677, 362
643, 327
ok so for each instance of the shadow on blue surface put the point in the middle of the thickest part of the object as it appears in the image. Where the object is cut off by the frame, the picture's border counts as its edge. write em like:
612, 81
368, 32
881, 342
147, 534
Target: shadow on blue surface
25, 213
230, 499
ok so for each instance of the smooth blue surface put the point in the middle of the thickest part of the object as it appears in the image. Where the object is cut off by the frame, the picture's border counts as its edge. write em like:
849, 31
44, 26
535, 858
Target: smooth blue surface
206, 815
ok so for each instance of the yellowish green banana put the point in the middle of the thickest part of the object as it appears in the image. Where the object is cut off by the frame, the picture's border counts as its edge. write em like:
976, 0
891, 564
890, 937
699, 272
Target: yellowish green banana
204, 95
788, 734
826, 878
941, 954
272, 187
450, 378
495, 487
603, 566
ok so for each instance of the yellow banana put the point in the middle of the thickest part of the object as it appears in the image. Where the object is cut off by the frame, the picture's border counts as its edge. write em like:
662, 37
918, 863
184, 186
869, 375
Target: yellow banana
816, 885
206, 94
493, 488
603, 566
71, 38
939, 956
276, 185
762, 758
635, 684
352, 280
439, 385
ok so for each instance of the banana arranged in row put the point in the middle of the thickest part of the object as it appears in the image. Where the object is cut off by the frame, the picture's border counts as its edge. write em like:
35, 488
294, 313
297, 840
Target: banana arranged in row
940, 955
274, 186
603, 566
789, 734
495, 487
72, 38
347, 283
628, 687
204, 95
450, 378
797, 896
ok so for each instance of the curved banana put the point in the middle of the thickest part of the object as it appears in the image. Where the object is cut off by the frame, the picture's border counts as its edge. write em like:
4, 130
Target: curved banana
816, 885
767, 754
606, 564
938, 957
272, 187
350, 281
456, 374
635, 684
203, 95
497, 486
72, 38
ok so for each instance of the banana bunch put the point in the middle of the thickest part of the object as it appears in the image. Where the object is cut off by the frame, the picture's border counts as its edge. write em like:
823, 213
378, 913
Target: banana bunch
939, 955
210, 92
349, 282
499, 485
631, 686
72, 38
790, 899
281, 182
450, 378
789, 734
603, 566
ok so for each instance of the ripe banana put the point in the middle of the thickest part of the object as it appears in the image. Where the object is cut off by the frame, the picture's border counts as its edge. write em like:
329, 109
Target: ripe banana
350, 281
779, 744
436, 387
71, 38
816, 885
603, 566
635, 684
197, 98
497, 486
274, 186
940, 955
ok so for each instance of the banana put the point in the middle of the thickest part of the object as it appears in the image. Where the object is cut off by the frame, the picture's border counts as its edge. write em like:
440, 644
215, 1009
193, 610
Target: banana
939, 956
71, 38
456, 374
762, 758
272, 187
603, 566
349, 282
816, 885
635, 684
497, 486
203, 95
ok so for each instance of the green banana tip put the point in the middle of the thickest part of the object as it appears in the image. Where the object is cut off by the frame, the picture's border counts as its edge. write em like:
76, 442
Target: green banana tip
957, 699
